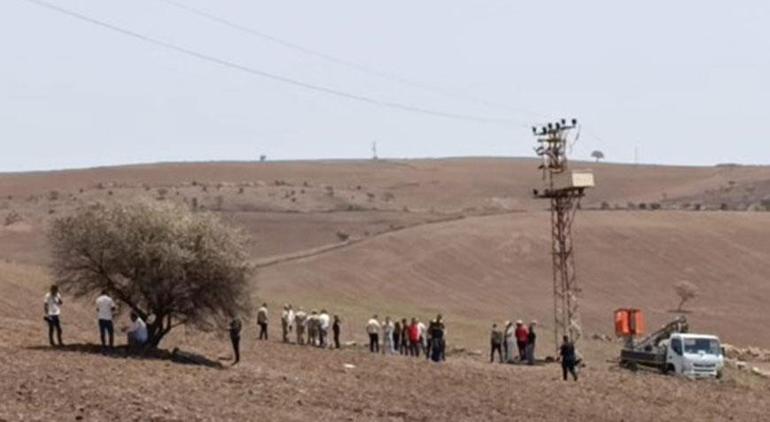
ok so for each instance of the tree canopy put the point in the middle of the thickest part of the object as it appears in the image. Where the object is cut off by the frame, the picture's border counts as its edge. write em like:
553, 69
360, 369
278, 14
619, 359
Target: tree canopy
598, 155
169, 265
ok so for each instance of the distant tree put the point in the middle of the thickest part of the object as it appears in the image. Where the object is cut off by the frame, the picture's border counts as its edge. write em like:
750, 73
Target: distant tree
686, 291
598, 155
263, 158
169, 265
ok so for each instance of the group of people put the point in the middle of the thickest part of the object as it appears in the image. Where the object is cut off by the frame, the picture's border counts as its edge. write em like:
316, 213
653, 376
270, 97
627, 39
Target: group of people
106, 309
513, 337
409, 338
405, 337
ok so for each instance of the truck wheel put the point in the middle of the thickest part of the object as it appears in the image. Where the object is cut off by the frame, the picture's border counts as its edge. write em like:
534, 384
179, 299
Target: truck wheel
669, 369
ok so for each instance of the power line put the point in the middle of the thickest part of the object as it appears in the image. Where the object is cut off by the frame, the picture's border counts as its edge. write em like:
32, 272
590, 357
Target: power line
344, 62
268, 75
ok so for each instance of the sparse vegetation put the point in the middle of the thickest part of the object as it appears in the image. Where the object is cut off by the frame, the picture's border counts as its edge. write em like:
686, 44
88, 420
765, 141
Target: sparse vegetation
686, 291
13, 217
170, 266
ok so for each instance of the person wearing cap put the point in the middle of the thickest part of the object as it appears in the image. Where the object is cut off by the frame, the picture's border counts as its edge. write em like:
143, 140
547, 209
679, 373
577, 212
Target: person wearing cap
531, 336
522, 335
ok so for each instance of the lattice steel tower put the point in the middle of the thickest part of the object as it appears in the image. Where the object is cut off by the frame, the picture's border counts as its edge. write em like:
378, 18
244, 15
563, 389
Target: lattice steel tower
564, 188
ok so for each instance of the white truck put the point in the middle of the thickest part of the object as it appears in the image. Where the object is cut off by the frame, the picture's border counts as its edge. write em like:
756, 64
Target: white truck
673, 350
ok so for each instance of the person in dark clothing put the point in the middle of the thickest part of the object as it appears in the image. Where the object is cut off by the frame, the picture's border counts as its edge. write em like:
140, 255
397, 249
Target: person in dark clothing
496, 343
336, 331
397, 336
404, 337
531, 337
438, 339
568, 358
235, 339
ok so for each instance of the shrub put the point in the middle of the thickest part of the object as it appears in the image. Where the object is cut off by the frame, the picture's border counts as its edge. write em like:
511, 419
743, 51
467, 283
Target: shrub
170, 266
686, 291
13, 217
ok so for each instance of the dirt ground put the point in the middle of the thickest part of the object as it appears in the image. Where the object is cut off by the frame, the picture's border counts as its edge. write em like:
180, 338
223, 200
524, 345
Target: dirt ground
410, 238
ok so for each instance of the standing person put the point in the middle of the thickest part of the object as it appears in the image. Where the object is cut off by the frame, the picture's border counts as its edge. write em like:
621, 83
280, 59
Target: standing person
522, 335
262, 319
312, 328
285, 323
137, 332
387, 337
404, 337
508, 341
568, 358
235, 339
437, 340
336, 329
324, 321
414, 338
373, 329
423, 337
397, 337
52, 308
496, 343
292, 316
531, 337
105, 307
300, 321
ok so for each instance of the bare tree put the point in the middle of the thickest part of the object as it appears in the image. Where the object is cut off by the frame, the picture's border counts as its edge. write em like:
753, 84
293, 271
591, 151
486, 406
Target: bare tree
686, 291
169, 265
598, 155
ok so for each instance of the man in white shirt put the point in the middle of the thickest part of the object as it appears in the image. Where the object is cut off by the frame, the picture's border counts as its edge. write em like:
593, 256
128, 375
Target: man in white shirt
285, 323
137, 332
373, 329
324, 321
105, 307
52, 308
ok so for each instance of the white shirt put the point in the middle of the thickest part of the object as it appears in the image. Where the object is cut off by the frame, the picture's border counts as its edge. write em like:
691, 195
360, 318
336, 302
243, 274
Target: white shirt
139, 330
291, 316
324, 320
104, 307
53, 303
373, 326
421, 326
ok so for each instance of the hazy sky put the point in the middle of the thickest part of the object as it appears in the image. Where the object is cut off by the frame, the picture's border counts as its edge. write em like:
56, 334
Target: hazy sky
685, 82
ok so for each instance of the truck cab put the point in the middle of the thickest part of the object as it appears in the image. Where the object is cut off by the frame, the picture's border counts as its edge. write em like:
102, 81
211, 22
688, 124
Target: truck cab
694, 355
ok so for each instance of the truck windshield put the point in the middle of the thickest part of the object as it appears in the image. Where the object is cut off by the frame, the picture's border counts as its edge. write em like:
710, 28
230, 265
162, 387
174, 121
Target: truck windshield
698, 345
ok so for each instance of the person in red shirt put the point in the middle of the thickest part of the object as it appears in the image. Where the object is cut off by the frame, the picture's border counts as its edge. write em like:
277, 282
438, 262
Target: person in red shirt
522, 337
415, 338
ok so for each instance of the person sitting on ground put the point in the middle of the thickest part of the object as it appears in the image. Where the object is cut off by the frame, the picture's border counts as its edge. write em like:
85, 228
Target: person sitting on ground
324, 321
235, 339
508, 341
136, 332
496, 343
373, 329
52, 308
568, 358
300, 325
521, 339
105, 307
262, 319
414, 338
336, 329
531, 337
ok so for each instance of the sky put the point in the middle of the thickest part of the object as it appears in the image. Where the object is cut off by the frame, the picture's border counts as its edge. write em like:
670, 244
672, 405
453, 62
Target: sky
666, 82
